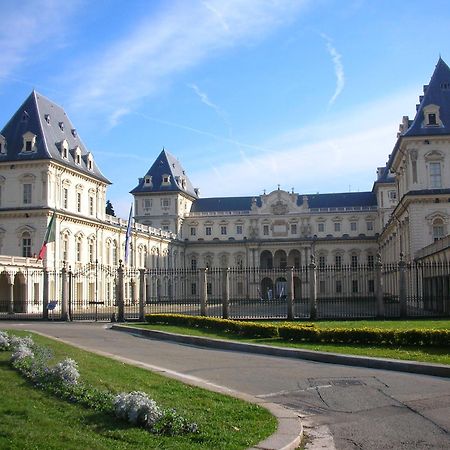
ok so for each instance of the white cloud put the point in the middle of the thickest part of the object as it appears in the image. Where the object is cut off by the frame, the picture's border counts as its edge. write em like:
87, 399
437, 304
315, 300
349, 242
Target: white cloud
177, 38
328, 157
336, 58
27, 24
205, 99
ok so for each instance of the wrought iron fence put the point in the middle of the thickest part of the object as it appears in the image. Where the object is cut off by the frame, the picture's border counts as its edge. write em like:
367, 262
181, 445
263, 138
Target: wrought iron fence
98, 292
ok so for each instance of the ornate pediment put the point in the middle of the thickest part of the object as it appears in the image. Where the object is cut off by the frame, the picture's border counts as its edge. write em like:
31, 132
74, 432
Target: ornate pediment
279, 208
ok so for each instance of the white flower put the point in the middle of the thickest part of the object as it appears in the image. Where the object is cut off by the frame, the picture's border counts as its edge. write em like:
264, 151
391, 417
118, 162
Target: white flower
21, 352
4, 341
137, 408
66, 371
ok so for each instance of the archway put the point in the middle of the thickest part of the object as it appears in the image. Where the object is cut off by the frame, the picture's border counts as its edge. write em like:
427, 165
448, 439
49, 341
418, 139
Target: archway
266, 260
294, 259
280, 288
297, 288
280, 259
4, 292
19, 293
266, 289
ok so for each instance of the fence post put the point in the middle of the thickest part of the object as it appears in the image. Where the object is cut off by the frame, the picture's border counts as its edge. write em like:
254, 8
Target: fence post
225, 293
204, 293
11, 298
119, 293
64, 302
290, 295
312, 289
402, 286
142, 294
379, 287
45, 291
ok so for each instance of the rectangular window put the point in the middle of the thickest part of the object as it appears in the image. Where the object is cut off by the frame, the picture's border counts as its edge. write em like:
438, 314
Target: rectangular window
209, 288
321, 262
435, 175
91, 206
354, 286
165, 202
27, 194
338, 261
370, 226
193, 288
238, 229
294, 228
78, 250
193, 264
371, 286
165, 227
79, 202
26, 246
208, 231
65, 198
91, 252
321, 227
354, 261
65, 249
370, 260
337, 226
148, 203
240, 288
193, 231
352, 226
266, 230
392, 195
338, 286
28, 146
223, 230
432, 119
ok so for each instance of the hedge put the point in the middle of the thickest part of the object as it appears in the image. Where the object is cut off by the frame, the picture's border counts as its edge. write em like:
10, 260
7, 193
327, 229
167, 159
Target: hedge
306, 332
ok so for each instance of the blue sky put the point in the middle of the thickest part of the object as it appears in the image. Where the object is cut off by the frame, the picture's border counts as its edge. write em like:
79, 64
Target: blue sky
247, 94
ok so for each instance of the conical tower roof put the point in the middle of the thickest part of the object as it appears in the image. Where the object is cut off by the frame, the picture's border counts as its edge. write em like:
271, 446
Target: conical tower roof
165, 175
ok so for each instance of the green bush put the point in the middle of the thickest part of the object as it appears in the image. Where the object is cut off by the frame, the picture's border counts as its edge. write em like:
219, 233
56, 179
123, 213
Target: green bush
305, 332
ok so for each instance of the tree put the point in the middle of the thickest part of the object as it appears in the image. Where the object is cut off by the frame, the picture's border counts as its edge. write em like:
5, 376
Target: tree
110, 209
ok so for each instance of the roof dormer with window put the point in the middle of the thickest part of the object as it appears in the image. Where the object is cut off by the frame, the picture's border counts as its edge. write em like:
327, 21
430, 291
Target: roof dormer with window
431, 116
64, 148
29, 142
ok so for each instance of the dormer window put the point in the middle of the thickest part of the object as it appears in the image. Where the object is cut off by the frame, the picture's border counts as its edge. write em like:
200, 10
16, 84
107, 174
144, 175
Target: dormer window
29, 142
431, 116
90, 162
77, 156
64, 148
47, 118
166, 179
25, 117
74, 132
148, 181
61, 126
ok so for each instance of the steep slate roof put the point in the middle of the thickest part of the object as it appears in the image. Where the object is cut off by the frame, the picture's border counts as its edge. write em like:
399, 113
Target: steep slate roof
223, 204
339, 200
42, 117
436, 93
165, 164
346, 199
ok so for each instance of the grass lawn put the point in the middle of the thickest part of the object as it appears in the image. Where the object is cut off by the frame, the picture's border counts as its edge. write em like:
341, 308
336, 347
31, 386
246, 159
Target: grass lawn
33, 419
424, 354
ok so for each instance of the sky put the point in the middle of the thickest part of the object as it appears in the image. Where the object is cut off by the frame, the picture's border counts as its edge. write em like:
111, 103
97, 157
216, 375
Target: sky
247, 94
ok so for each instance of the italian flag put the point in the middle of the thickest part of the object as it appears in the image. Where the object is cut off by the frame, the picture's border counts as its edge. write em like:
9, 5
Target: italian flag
49, 236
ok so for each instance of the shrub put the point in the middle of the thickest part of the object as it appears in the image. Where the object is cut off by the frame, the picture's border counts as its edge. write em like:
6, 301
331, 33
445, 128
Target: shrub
136, 407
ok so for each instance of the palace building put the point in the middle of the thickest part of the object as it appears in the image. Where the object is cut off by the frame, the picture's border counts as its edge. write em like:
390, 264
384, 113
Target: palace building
46, 168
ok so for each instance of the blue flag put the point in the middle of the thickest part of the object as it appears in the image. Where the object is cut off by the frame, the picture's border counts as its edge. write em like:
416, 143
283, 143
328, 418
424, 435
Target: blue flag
128, 235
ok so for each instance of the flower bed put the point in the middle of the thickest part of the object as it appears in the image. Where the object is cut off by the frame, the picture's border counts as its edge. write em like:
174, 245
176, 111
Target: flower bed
63, 380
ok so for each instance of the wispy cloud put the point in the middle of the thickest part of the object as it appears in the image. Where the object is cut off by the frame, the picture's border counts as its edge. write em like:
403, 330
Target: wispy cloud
166, 43
325, 157
27, 24
205, 99
336, 58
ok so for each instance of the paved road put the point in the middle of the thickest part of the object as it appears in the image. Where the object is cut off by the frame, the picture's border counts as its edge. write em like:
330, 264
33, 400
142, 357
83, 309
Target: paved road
360, 408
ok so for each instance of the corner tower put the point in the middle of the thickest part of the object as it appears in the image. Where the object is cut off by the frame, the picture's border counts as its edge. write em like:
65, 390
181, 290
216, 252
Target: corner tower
164, 195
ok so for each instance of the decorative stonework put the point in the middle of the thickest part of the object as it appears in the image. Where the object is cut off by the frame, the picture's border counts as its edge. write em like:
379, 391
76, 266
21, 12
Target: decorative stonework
279, 208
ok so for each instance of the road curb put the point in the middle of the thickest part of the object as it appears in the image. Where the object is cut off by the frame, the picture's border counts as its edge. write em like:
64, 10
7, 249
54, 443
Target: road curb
438, 370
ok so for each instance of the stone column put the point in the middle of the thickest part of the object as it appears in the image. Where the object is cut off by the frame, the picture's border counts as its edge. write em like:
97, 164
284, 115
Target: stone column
11, 298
